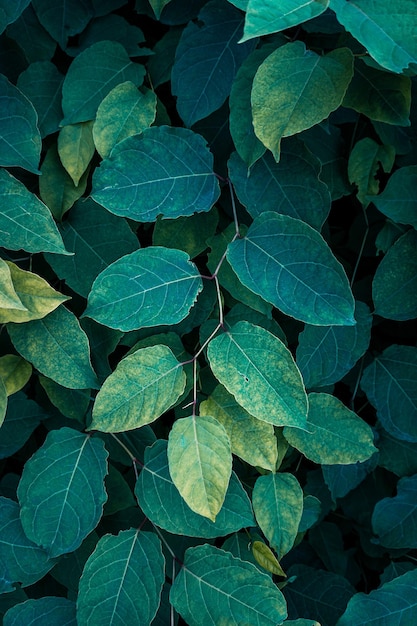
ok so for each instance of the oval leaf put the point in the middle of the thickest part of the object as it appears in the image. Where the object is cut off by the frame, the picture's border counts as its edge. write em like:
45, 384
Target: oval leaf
76, 148
58, 612
266, 558
9, 300
394, 520
14, 372
398, 200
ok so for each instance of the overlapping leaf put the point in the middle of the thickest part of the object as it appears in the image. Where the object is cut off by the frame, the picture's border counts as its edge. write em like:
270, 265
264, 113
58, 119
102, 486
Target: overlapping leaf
394, 520
9, 13
15, 372
22, 417
76, 148
398, 201
59, 612
64, 19
364, 162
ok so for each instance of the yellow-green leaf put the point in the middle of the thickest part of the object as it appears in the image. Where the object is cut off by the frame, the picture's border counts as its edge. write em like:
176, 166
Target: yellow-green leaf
266, 558
76, 148
15, 372
8, 296
3, 401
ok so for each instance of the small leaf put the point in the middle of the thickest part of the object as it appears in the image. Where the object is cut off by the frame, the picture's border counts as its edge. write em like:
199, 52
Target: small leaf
200, 463
15, 372
76, 148
150, 287
260, 372
336, 436
364, 162
22, 417
186, 233
58, 611
289, 264
3, 401
143, 386
9, 300
61, 491
265, 557
157, 6
73, 403
133, 565
68, 17
394, 520
398, 200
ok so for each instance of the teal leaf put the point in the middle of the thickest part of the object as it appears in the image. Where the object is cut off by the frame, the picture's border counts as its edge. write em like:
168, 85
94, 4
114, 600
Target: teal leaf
327, 541
65, 19
186, 233
291, 187
162, 171
143, 386
341, 479
394, 286
384, 28
207, 58
22, 417
204, 596
396, 455
259, 371
394, 520
92, 75
278, 505
398, 200
110, 26
162, 503
122, 580
68, 570
311, 513
73, 403
161, 62
25, 222
289, 264
61, 491
390, 383
326, 353
20, 140
150, 287
365, 160
58, 611
157, 6
31, 36
10, 12
336, 436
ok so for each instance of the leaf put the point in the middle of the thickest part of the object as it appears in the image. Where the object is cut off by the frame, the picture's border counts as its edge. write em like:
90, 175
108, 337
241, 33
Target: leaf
383, 28
9, 299
398, 201
291, 187
302, 278
150, 287
157, 6
25, 222
110, 26
206, 61
394, 601
92, 75
278, 504
124, 112
394, 520
341, 479
200, 463
9, 13
61, 491
20, 140
265, 557
31, 37
259, 371
396, 455
131, 587
186, 233
58, 347
326, 539
250, 439
203, 595
394, 286
365, 160
65, 19
160, 64
326, 353
288, 88
143, 386
76, 148
22, 417
162, 503
73, 403
58, 611
390, 383
3, 401
264, 18
15, 372
162, 171
337, 435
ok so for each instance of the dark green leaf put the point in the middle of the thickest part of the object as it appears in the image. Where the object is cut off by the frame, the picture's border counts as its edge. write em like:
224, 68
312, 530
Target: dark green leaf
32, 38
365, 160
65, 19
398, 200
58, 612
394, 520
186, 233
73, 403
396, 455
341, 479
22, 417
9, 12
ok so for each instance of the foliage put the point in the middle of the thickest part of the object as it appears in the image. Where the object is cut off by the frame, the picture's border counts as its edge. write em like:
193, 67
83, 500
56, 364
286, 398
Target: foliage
208, 279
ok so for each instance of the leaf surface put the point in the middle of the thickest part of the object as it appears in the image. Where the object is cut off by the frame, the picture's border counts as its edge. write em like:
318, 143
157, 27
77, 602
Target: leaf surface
58, 611
76, 148
9, 13
365, 160
394, 520
9, 299
22, 417
64, 19
398, 201
15, 372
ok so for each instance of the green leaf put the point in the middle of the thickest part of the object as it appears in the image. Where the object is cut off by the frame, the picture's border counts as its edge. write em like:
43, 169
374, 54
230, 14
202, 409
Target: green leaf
365, 160
266, 558
186, 233
61, 491
25, 222
76, 148
390, 383
20, 140
3, 401
119, 492
73, 403
326, 539
204, 596
22, 417
394, 602
9, 13
200, 463
143, 386
278, 505
291, 187
31, 37
110, 26
341, 479
67, 18
311, 513
92, 75
58, 611
394, 286
9, 300
326, 353
266, 17
150, 287
157, 6
58, 347
295, 89
394, 520
337, 435
163, 171
15, 372
160, 63
162, 503
260, 372
302, 278
396, 455
124, 112
250, 439
122, 580
398, 200
384, 28
68, 570
207, 59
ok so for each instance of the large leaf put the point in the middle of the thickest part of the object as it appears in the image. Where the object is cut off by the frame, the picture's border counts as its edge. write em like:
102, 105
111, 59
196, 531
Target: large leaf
260, 372
289, 264
58, 611
390, 383
295, 89
162, 503
398, 200
204, 596
207, 58
336, 435
64, 19
150, 287
162, 171
394, 520
130, 590
61, 491
143, 386
384, 28
200, 463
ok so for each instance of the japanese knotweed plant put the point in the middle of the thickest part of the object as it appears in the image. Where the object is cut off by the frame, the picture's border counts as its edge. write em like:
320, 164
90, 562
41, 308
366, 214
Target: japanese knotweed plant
208, 295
